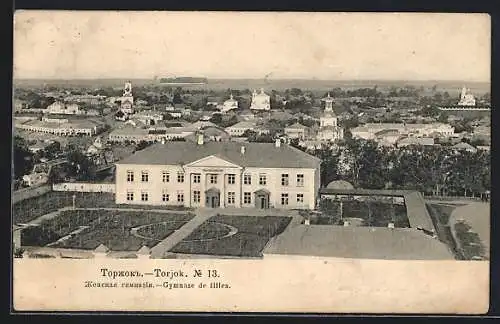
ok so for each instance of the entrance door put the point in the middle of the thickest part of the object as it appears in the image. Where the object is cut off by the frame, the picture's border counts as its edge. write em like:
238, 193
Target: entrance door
212, 201
262, 202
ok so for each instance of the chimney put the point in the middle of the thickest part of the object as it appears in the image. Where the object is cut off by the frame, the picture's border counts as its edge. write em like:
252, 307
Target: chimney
277, 143
242, 150
200, 139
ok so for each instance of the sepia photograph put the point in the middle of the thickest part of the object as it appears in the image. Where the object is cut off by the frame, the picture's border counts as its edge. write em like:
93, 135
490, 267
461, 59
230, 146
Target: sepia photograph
304, 158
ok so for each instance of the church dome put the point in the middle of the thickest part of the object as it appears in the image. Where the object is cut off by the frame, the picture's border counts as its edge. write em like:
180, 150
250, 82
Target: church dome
340, 184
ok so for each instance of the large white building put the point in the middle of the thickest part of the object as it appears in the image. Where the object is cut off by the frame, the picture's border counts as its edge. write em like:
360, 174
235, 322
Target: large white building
62, 127
260, 101
62, 108
372, 131
219, 174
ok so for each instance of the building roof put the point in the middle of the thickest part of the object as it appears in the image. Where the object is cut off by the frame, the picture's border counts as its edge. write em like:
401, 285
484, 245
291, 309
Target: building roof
464, 146
101, 248
246, 112
256, 154
359, 242
128, 130
243, 124
296, 126
340, 184
416, 141
387, 132
201, 124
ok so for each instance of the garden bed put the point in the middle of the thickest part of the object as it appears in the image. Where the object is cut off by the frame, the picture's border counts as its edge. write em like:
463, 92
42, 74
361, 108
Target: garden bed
253, 234
209, 231
111, 228
372, 213
32, 208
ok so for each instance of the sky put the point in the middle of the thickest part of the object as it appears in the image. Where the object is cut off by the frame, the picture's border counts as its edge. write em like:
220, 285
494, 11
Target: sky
330, 46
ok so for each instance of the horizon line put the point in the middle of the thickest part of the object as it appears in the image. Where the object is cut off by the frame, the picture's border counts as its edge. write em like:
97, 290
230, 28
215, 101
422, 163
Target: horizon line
246, 78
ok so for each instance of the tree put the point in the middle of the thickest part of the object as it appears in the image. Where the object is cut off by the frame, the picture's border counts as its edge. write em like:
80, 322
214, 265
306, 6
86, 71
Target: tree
142, 145
23, 158
81, 166
329, 165
177, 99
216, 119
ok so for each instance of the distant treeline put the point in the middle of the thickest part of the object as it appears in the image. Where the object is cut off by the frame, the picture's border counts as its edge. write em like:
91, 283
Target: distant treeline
184, 80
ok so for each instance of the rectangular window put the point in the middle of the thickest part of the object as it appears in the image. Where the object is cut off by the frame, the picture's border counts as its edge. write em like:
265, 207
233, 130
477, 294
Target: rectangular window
180, 197
231, 179
247, 197
144, 196
130, 176
300, 180
247, 179
196, 178
284, 199
300, 198
165, 176
231, 196
262, 179
165, 197
130, 196
196, 196
284, 179
144, 176
213, 179
180, 177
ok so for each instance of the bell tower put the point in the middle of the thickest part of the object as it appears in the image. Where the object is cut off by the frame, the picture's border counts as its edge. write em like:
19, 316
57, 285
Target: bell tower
328, 103
127, 90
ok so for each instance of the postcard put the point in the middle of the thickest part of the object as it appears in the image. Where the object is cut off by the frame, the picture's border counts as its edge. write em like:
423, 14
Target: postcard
251, 162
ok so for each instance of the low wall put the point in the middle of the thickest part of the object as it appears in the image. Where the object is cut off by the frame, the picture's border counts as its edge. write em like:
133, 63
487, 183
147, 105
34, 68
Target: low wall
22, 194
84, 187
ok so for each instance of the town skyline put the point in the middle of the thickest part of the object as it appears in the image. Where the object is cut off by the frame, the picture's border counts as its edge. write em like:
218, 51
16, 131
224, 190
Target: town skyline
276, 46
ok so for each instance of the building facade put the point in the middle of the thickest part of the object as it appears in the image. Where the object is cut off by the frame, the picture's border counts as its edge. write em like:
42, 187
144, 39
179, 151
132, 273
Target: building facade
297, 131
218, 175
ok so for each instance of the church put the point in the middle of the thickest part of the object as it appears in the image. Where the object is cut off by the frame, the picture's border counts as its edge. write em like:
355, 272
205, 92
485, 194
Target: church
260, 101
329, 130
127, 100
466, 98
229, 104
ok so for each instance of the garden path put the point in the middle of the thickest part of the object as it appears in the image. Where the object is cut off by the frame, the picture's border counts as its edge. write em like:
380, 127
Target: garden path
159, 250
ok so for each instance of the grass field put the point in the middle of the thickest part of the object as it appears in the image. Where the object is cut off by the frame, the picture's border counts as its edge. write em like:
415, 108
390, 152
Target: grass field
32, 208
469, 241
440, 215
111, 228
253, 234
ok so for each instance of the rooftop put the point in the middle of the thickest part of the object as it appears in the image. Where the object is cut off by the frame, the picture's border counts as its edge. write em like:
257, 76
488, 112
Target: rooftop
243, 124
256, 154
359, 242
297, 126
